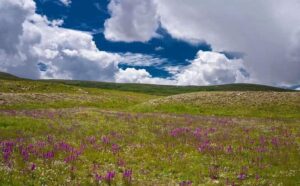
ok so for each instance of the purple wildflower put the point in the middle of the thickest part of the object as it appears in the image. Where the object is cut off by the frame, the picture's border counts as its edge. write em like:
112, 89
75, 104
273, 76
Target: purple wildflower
242, 176
105, 139
50, 139
32, 167
6, 155
115, 148
41, 144
179, 131
7, 150
212, 130
70, 158
261, 149
48, 155
229, 149
63, 146
197, 132
98, 177
275, 141
204, 146
74, 154
24, 153
127, 175
109, 177
121, 163
257, 177
262, 140
31, 149
91, 140
185, 183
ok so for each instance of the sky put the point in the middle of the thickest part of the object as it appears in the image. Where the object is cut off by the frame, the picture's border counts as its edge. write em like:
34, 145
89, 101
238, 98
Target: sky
174, 42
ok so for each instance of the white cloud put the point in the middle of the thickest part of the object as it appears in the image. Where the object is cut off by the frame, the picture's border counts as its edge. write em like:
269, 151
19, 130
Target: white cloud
30, 39
211, 68
270, 40
262, 29
33, 39
131, 20
66, 2
142, 60
159, 48
266, 31
70, 54
206, 69
12, 15
132, 75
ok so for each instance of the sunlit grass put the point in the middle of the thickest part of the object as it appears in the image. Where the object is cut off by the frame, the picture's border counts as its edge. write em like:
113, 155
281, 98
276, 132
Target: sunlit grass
238, 104
55, 134
159, 149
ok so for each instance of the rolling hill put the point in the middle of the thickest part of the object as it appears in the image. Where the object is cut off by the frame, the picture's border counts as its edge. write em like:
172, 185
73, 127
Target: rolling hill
57, 132
8, 76
239, 100
160, 90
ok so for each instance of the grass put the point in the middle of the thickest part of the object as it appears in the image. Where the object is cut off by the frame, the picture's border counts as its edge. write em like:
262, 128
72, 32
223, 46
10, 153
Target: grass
164, 90
150, 147
35, 94
8, 76
238, 104
88, 133
28, 94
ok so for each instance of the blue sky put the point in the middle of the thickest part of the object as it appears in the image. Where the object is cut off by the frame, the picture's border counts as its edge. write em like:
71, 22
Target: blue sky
172, 42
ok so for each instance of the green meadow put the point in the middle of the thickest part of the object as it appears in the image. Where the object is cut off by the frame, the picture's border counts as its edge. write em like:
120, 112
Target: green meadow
92, 133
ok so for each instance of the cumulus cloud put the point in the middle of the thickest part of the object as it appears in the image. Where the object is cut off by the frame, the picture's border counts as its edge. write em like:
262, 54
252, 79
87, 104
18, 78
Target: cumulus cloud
266, 31
33, 46
131, 20
212, 68
30, 42
263, 30
12, 16
31, 39
132, 75
36, 47
71, 54
206, 69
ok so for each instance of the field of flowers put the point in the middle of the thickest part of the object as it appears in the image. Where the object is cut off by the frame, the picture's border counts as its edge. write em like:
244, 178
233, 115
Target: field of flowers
96, 137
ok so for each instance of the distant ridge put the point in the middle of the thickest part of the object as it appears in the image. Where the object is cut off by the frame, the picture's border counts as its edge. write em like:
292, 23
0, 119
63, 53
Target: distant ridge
4, 75
161, 90
165, 90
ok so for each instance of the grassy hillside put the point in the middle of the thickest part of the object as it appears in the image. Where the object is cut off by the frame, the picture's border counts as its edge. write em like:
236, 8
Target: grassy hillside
238, 103
159, 90
7, 76
223, 100
90, 133
163, 90
36, 94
